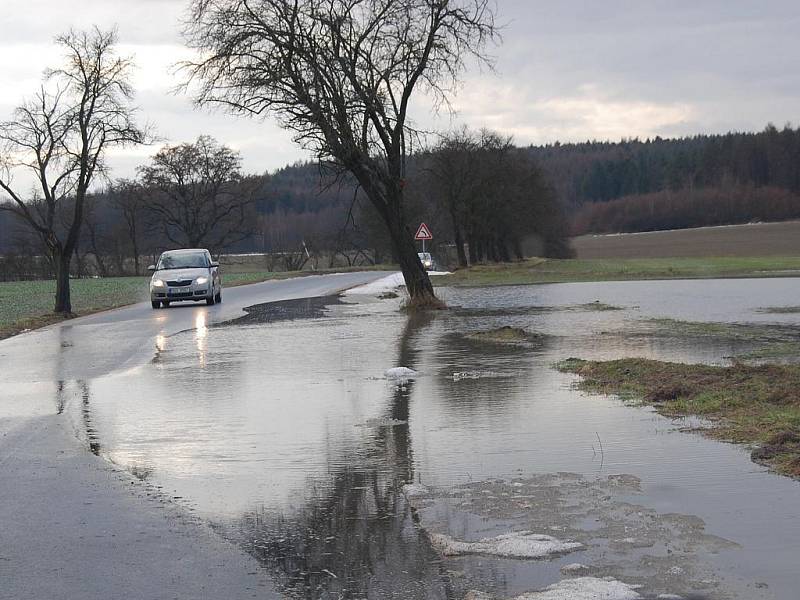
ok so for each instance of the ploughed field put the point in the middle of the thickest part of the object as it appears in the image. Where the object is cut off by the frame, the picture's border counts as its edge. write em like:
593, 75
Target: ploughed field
750, 240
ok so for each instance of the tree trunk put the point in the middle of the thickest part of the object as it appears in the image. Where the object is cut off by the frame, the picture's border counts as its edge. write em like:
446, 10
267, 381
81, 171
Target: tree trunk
388, 201
516, 244
417, 281
502, 249
473, 250
135, 244
459, 241
63, 302
480, 254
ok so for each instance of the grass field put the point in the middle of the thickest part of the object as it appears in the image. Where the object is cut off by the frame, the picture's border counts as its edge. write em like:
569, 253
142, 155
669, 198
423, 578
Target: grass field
539, 270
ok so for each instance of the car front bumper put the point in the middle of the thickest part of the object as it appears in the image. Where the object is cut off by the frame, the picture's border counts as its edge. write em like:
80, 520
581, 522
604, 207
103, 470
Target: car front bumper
176, 294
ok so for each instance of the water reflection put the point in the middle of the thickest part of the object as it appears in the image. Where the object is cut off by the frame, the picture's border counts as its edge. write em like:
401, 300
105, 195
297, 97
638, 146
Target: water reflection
61, 397
201, 338
86, 418
355, 536
161, 342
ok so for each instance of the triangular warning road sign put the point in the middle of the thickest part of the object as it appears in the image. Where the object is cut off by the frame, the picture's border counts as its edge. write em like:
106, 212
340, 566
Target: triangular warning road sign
423, 233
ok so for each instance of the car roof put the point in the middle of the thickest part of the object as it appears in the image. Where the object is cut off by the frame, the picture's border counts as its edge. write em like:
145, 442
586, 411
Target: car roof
185, 251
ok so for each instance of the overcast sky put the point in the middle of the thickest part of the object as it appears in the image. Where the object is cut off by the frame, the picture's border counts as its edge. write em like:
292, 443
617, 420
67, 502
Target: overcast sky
567, 70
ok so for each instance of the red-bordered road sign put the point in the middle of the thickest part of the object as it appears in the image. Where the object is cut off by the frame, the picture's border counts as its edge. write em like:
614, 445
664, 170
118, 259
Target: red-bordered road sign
423, 233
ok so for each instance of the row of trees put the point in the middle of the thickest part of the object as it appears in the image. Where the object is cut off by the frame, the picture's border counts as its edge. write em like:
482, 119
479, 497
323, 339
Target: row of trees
494, 195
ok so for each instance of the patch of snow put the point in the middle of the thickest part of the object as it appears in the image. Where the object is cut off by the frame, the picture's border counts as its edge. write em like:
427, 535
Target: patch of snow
385, 284
520, 544
400, 374
585, 588
415, 489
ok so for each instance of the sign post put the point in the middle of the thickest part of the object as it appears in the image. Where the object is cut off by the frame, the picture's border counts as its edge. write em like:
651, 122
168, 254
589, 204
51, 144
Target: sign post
424, 234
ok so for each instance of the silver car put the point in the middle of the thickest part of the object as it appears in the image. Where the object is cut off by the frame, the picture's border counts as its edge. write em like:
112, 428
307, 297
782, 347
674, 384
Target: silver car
185, 275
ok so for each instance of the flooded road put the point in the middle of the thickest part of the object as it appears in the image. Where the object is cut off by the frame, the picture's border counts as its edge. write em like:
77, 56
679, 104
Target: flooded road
283, 432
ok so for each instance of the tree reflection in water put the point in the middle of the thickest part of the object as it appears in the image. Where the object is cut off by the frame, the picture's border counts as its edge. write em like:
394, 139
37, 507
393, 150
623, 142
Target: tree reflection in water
356, 538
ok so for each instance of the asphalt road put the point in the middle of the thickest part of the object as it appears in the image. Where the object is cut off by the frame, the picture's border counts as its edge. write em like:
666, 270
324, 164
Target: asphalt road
96, 345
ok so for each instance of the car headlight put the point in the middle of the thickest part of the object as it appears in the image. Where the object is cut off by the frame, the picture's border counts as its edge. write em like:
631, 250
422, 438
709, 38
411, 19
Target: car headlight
201, 280
157, 283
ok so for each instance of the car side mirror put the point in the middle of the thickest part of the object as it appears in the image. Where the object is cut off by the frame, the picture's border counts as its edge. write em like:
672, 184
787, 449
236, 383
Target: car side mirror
151, 268
214, 265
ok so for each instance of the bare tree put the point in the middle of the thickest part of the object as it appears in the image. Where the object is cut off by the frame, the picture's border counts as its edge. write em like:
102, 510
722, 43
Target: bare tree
496, 196
341, 74
61, 136
453, 177
199, 195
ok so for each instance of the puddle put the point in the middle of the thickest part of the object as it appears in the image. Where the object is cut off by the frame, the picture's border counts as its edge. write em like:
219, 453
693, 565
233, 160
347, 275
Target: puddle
283, 430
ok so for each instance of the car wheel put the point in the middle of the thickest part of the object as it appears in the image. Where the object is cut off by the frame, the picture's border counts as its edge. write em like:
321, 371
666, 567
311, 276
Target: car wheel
155, 303
218, 297
210, 300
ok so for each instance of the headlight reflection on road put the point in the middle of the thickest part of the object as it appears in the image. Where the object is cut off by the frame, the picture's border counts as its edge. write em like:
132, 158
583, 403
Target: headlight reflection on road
200, 335
161, 342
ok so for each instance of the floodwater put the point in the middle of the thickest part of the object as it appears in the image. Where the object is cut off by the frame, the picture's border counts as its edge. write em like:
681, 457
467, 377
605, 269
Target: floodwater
282, 431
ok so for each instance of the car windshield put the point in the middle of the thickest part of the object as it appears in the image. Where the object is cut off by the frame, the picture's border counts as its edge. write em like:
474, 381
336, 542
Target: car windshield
188, 260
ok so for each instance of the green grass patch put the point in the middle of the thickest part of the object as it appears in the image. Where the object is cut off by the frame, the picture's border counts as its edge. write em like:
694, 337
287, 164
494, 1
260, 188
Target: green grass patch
505, 335
754, 404
29, 304
540, 270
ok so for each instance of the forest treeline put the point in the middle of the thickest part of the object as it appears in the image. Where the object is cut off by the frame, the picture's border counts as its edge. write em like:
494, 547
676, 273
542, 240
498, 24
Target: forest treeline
636, 185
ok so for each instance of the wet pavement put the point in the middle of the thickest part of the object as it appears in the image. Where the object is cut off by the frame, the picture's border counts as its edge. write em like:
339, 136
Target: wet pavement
281, 431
